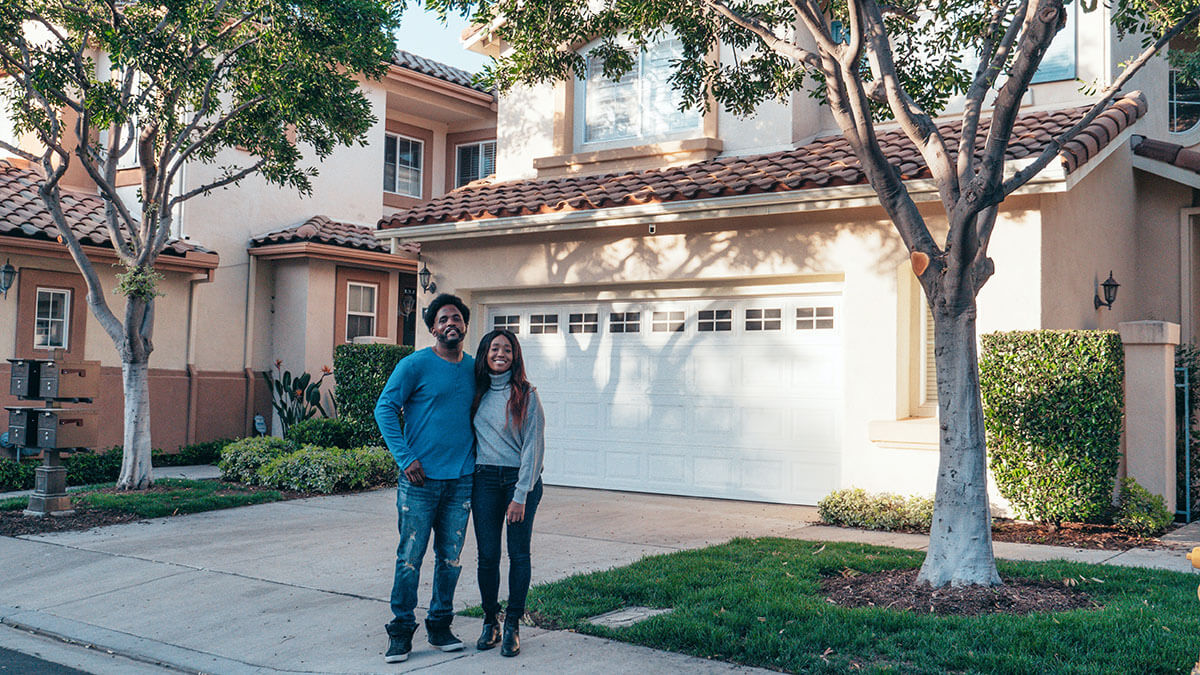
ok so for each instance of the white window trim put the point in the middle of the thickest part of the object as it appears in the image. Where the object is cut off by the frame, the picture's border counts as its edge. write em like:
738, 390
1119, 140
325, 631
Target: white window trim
374, 313
458, 159
420, 170
581, 141
66, 320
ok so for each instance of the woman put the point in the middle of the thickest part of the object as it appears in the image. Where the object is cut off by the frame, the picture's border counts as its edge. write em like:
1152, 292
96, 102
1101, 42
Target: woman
509, 422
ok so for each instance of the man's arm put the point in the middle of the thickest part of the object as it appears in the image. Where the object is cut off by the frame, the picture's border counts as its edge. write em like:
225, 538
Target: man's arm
388, 410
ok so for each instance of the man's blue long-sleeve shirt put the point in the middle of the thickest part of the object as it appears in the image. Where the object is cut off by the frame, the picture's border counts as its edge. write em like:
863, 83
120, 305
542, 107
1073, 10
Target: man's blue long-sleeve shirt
435, 396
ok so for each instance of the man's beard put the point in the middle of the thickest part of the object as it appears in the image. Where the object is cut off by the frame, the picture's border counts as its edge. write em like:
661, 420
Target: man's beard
450, 341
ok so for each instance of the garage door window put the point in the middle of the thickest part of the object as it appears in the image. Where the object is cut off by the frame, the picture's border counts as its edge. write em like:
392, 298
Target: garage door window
814, 318
764, 319
667, 322
508, 322
624, 322
715, 320
583, 323
543, 324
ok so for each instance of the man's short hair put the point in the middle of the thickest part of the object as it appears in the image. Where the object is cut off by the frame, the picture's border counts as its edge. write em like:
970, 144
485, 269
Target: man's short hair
441, 301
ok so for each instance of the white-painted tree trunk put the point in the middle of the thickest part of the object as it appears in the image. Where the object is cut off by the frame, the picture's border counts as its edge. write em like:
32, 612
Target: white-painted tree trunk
135, 464
960, 539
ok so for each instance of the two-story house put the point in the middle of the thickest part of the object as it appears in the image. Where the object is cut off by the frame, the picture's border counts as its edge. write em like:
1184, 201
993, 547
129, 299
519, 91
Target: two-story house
255, 273
717, 306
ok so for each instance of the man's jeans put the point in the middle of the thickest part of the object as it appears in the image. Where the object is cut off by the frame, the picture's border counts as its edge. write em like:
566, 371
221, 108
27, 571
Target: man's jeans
443, 507
493, 493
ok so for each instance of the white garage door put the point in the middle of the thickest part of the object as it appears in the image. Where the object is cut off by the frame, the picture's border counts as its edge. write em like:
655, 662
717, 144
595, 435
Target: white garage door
737, 398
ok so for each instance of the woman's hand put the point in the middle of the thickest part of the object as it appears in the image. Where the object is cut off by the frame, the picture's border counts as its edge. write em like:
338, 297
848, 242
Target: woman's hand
516, 512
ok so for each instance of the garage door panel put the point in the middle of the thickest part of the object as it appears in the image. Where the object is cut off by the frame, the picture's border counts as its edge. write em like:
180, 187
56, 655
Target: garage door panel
727, 413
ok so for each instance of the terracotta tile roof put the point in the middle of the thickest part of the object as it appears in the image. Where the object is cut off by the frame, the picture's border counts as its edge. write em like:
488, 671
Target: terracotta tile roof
825, 162
322, 230
1170, 153
436, 69
22, 213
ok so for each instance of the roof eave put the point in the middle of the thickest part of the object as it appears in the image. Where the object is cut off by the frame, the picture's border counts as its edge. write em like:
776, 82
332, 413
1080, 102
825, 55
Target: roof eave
329, 252
1051, 179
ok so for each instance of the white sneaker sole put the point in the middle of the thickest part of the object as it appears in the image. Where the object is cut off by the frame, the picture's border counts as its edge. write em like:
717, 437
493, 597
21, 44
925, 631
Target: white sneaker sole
396, 659
449, 648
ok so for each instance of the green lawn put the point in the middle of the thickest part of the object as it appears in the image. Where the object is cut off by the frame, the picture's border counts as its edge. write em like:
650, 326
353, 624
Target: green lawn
758, 602
170, 496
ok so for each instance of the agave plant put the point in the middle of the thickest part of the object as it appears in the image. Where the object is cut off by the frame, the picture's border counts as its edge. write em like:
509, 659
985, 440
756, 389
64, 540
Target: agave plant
295, 398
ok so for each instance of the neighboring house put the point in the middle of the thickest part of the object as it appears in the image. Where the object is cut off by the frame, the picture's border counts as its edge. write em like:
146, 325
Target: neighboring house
718, 306
255, 273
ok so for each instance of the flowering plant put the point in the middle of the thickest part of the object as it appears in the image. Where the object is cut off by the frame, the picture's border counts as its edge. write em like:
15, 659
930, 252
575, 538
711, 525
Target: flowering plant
298, 398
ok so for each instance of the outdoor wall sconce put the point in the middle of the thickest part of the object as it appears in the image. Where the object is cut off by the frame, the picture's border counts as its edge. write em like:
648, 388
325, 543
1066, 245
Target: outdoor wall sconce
427, 283
8, 274
408, 302
1110, 287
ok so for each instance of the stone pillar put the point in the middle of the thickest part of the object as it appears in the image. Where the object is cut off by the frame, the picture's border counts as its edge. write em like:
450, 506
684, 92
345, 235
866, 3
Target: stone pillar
1150, 405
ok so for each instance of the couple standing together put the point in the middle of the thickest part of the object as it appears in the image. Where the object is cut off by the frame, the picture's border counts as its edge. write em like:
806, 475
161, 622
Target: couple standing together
472, 443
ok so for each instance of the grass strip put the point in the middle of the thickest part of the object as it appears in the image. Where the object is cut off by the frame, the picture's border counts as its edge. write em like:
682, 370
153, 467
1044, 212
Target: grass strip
758, 602
171, 496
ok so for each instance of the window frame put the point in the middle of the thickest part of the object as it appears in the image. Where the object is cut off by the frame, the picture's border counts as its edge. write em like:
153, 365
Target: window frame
392, 136
66, 318
458, 160
374, 314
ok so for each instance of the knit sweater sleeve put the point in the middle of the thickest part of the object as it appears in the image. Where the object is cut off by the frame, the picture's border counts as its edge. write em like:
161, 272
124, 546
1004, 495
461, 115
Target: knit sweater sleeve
533, 448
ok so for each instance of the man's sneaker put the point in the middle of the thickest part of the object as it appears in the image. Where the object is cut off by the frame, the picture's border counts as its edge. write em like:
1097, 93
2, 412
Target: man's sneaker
399, 642
440, 636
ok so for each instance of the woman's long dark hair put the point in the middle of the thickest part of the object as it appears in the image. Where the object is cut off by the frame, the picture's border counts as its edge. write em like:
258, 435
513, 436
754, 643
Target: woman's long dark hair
518, 401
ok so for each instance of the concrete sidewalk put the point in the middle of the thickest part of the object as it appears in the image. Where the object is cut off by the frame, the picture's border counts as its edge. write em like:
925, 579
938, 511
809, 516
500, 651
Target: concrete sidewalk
302, 586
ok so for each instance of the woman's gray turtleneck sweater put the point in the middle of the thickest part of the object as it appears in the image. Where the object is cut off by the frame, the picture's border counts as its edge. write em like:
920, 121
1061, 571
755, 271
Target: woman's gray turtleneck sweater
499, 444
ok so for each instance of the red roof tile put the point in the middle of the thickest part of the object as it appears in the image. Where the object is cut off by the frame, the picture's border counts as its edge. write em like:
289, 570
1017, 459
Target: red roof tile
322, 230
825, 162
436, 69
1169, 153
22, 213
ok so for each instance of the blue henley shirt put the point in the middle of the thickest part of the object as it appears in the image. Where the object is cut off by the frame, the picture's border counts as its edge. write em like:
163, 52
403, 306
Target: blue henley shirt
435, 396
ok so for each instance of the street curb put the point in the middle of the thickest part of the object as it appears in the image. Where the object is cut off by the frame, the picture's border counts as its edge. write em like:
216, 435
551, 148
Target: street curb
126, 645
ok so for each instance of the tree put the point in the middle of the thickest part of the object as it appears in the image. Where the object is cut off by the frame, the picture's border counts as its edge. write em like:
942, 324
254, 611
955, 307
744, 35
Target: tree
107, 83
901, 61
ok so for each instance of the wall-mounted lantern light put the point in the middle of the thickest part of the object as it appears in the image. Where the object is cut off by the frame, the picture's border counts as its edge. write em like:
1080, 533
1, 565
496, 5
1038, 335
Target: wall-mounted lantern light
408, 302
8, 274
427, 283
1110, 287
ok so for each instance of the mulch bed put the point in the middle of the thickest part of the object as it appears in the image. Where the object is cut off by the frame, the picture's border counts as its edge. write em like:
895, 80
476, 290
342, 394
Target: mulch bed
898, 590
1075, 535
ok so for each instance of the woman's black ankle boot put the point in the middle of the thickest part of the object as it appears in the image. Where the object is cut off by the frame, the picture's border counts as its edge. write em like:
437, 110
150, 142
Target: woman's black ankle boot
510, 644
490, 637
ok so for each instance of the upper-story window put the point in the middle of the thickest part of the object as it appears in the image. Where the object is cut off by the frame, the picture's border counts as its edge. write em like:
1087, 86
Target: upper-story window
1183, 95
474, 161
402, 165
642, 105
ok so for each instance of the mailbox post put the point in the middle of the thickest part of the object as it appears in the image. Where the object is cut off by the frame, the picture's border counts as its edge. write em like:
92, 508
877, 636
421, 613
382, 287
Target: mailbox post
52, 429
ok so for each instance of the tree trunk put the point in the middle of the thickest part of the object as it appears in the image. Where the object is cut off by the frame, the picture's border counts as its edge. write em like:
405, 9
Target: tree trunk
135, 465
960, 538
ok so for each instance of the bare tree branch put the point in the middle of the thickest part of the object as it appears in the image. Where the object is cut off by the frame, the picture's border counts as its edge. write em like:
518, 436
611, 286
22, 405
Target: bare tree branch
232, 178
765, 34
992, 60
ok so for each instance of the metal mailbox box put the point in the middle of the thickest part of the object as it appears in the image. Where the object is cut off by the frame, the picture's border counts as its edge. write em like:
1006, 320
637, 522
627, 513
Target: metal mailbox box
23, 382
22, 426
66, 428
61, 379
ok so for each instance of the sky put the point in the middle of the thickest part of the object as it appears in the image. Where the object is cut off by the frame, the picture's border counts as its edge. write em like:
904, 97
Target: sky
421, 33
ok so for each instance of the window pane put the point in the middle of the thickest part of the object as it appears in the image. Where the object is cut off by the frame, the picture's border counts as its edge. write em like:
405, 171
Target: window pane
610, 107
468, 164
51, 319
488, 159
661, 101
389, 163
358, 325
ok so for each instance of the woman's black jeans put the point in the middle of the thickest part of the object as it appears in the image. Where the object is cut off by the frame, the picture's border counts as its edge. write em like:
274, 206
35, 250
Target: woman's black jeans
492, 494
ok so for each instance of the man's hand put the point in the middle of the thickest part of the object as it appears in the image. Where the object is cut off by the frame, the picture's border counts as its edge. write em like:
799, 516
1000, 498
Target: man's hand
516, 512
415, 473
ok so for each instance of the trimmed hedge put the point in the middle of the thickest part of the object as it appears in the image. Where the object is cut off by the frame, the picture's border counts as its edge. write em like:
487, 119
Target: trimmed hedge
327, 470
208, 452
855, 507
241, 460
360, 372
15, 475
1053, 406
1139, 512
322, 431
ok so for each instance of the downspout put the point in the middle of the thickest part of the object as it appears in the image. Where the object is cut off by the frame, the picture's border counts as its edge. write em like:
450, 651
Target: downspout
193, 396
247, 336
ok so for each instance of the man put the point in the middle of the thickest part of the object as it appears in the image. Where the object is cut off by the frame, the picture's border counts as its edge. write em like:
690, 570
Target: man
435, 450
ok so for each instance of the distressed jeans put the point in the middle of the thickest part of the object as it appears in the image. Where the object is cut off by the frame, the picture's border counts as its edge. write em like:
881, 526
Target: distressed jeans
493, 492
442, 507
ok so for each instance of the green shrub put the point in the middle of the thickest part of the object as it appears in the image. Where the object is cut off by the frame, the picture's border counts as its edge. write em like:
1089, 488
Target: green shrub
241, 460
855, 507
325, 432
1139, 512
208, 452
87, 468
360, 371
327, 470
15, 475
1053, 404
